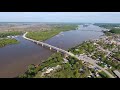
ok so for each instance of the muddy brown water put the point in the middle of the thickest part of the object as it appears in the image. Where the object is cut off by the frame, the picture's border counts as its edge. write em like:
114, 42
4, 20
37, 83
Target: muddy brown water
14, 59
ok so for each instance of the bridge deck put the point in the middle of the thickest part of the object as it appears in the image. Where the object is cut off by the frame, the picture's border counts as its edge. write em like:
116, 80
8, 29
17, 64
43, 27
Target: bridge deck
66, 52
48, 45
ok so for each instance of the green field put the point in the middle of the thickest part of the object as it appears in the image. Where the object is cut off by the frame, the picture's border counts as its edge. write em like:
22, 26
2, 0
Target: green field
115, 31
9, 33
4, 42
107, 25
103, 75
112, 31
44, 35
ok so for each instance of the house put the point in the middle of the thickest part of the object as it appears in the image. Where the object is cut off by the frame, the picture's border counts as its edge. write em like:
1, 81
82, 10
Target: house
89, 76
8, 36
65, 60
76, 49
81, 70
94, 43
97, 75
49, 70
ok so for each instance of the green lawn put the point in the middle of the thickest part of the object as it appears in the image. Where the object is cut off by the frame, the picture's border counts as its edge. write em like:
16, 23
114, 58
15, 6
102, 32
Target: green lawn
103, 75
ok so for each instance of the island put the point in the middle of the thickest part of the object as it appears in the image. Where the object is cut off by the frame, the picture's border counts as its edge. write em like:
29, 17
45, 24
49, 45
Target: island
6, 38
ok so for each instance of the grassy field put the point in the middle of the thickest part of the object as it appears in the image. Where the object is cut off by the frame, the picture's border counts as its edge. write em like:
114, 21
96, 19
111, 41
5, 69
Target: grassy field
4, 42
9, 33
103, 75
115, 31
44, 35
107, 25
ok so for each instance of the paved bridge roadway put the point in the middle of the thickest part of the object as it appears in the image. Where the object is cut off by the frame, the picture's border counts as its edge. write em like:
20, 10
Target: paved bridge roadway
48, 45
66, 53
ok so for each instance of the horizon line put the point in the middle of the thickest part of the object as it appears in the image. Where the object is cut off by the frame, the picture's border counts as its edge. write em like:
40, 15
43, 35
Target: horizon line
53, 22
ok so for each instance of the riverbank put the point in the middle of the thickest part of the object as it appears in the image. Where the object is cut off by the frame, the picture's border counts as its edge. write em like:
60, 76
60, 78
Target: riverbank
7, 41
5, 38
57, 67
10, 33
21, 55
91, 47
49, 69
103, 50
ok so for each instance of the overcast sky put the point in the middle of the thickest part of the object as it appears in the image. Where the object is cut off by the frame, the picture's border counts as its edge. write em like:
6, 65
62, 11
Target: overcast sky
90, 17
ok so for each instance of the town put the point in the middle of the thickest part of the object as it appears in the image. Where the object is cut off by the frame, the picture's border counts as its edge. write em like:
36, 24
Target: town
60, 45
97, 58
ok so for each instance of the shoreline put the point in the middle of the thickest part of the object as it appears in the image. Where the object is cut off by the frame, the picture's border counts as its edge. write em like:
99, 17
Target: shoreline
53, 32
75, 57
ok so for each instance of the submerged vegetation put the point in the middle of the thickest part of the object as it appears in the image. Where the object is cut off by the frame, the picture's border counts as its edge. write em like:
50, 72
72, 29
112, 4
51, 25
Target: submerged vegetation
7, 41
46, 34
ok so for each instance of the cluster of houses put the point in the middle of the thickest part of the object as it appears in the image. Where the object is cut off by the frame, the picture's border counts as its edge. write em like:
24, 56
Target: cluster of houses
106, 66
113, 40
11, 36
49, 70
94, 74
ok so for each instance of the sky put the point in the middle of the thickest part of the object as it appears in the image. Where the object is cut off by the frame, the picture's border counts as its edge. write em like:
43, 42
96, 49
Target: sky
86, 17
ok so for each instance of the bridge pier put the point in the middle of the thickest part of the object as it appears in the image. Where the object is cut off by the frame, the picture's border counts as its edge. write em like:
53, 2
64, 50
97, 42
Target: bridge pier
64, 53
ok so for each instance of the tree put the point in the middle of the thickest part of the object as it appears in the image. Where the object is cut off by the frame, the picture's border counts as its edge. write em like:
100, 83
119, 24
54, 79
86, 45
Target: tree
22, 76
66, 66
71, 61
76, 74
31, 70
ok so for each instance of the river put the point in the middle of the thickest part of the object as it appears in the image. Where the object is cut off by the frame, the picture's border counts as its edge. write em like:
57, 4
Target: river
14, 59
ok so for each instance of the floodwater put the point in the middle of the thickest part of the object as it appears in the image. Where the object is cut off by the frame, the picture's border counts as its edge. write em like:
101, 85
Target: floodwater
14, 59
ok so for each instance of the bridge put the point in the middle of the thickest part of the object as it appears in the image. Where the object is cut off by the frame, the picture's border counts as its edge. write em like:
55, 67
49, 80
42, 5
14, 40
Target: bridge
66, 53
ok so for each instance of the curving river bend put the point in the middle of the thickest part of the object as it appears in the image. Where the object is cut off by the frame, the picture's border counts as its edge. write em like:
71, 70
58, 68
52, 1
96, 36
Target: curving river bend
14, 59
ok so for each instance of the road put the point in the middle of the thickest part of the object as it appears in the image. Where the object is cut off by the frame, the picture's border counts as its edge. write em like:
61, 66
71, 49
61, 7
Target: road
93, 62
48, 45
81, 57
